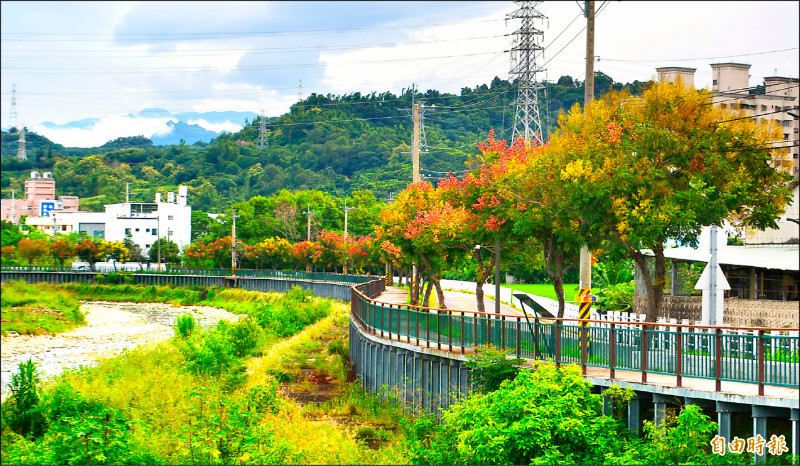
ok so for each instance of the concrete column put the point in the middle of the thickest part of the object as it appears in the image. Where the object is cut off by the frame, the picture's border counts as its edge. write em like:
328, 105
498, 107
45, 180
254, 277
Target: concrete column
760, 415
635, 415
453, 385
608, 406
795, 417
436, 393
760, 428
724, 412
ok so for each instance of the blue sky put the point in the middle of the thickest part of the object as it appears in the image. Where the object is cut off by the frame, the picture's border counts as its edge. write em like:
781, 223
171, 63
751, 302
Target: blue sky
106, 60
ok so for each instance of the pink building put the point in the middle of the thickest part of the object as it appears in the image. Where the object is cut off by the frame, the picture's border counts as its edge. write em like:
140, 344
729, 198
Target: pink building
38, 200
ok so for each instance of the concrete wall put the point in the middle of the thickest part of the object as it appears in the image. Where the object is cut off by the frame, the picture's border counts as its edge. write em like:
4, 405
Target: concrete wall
421, 378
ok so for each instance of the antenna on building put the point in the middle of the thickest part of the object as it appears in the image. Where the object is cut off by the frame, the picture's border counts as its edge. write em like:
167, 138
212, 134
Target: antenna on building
527, 123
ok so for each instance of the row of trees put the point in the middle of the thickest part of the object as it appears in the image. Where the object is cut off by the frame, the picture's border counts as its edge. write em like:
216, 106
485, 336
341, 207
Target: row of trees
328, 252
60, 250
622, 175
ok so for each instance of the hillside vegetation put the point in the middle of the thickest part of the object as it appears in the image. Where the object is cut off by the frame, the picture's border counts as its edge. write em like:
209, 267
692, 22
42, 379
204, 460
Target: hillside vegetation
336, 144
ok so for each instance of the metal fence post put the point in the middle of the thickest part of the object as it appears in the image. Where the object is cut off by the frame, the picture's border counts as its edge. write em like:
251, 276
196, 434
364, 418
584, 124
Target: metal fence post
679, 357
718, 359
761, 368
612, 350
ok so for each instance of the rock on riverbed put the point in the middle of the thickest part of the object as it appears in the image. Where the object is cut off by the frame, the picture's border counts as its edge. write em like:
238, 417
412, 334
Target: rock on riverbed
110, 327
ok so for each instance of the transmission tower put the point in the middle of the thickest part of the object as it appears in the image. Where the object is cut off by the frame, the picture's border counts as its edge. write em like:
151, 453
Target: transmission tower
525, 46
262, 132
21, 154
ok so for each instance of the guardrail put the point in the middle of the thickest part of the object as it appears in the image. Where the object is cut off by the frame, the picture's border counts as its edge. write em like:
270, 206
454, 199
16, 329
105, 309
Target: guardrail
764, 356
338, 287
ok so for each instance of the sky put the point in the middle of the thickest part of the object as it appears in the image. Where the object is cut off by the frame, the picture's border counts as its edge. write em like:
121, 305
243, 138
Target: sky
112, 61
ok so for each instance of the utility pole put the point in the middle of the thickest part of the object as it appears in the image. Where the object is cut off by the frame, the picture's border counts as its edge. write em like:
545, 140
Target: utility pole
309, 212
233, 244
346, 209
586, 255
127, 193
158, 240
415, 146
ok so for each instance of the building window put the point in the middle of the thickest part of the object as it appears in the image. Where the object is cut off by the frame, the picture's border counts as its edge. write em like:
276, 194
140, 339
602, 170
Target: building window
155, 231
764, 107
137, 229
127, 232
714, 82
147, 230
169, 217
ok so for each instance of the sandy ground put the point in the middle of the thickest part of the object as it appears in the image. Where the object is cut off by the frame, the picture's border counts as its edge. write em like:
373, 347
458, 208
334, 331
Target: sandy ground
110, 328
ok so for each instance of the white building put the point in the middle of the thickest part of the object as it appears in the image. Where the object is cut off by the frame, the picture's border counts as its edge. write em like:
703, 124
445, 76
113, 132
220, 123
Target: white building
144, 222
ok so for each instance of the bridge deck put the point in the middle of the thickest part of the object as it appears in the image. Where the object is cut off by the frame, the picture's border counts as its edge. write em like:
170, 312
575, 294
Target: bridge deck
399, 296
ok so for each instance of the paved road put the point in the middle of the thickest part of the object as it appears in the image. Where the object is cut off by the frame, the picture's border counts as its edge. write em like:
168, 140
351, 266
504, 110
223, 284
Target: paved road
454, 300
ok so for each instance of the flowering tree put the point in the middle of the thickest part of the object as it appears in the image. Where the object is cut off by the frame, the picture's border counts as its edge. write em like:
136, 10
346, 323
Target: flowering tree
306, 254
487, 207
32, 249
91, 250
62, 249
272, 251
642, 170
331, 247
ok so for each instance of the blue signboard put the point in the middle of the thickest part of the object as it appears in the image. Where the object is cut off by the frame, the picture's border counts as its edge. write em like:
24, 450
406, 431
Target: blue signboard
46, 207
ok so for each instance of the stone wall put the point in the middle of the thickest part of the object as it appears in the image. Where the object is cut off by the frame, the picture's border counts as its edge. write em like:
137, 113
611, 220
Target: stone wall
738, 312
762, 313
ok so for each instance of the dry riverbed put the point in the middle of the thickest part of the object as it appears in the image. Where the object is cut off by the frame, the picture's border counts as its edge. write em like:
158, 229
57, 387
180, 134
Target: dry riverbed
110, 328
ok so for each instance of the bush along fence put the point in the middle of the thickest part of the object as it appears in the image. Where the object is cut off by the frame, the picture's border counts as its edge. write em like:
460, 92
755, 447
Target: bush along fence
763, 356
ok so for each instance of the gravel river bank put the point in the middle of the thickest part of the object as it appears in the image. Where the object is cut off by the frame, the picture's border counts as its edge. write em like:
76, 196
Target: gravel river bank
110, 328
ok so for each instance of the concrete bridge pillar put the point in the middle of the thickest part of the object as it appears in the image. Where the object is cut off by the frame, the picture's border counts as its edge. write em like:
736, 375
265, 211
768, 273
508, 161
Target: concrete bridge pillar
795, 417
724, 412
760, 415
660, 403
608, 406
635, 414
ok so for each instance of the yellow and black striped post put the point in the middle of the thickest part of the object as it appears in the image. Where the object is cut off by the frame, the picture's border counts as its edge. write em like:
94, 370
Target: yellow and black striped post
585, 299
389, 281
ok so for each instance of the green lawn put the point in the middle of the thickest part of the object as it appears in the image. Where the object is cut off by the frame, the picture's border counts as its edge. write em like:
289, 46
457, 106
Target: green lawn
546, 290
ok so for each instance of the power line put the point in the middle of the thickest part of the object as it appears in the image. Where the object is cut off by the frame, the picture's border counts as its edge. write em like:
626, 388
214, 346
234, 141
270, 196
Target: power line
222, 35
256, 51
697, 59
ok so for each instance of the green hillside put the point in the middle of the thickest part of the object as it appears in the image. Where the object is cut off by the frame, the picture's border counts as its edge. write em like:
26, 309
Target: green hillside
331, 143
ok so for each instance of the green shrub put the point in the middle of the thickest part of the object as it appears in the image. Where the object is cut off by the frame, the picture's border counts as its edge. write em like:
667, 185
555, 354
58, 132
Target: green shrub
184, 325
22, 412
489, 367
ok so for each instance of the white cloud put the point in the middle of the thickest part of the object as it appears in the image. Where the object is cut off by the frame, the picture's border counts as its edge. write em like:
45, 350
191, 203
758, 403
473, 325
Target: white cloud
105, 130
466, 49
227, 126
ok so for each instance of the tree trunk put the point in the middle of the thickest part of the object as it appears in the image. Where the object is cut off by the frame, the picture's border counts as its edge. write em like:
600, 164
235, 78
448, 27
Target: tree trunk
558, 285
480, 279
653, 283
437, 282
426, 301
554, 261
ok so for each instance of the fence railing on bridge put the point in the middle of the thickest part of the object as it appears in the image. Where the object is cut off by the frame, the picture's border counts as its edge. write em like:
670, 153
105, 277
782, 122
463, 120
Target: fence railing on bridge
761, 356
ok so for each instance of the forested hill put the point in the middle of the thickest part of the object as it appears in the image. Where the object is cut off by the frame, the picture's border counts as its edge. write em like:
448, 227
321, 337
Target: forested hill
331, 143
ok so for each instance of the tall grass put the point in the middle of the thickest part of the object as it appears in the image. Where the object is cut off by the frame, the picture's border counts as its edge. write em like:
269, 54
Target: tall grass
30, 309
189, 400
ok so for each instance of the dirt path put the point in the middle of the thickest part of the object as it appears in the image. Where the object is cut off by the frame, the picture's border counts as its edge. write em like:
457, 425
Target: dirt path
110, 327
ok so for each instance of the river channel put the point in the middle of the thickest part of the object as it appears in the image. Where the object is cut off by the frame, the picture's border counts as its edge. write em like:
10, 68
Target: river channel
110, 328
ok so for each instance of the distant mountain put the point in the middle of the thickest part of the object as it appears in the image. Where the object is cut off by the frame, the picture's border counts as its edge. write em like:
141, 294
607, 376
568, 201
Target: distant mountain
187, 132
191, 127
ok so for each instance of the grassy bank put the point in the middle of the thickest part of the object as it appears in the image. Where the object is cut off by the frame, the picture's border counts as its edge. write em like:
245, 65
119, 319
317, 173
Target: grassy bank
38, 309
209, 396
546, 290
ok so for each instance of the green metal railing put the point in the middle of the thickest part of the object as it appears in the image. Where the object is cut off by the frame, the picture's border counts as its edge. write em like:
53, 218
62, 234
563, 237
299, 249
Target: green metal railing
261, 273
753, 355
